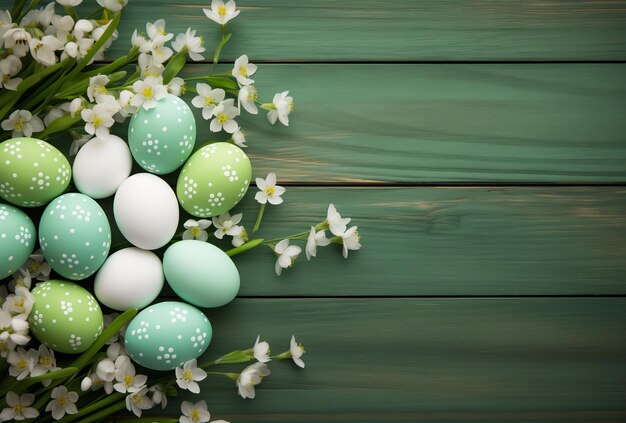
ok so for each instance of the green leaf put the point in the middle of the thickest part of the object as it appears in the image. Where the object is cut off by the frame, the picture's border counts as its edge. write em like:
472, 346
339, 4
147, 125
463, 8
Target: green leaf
174, 66
216, 56
60, 124
222, 82
58, 374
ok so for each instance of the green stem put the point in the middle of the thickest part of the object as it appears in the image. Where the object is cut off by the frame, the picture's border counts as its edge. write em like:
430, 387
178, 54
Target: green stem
259, 217
218, 49
105, 412
231, 376
245, 247
114, 397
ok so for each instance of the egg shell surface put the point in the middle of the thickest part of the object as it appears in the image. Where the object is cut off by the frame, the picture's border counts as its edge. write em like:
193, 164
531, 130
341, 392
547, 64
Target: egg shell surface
74, 235
101, 166
200, 273
32, 172
214, 179
65, 317
146, 211
17, 239
163, 137
130, 277
166, 335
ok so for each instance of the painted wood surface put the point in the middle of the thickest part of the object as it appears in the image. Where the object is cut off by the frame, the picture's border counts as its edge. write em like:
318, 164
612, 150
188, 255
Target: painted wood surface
402, 30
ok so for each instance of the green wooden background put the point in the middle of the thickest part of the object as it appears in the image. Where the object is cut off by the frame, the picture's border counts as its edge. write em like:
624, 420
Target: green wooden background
480, 147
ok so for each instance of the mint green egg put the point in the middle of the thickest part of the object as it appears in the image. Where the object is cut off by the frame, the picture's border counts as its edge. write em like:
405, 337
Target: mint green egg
75, 235
17, 239
162, 138
65, 317
32, 172
214, 180
200, 273
166, 335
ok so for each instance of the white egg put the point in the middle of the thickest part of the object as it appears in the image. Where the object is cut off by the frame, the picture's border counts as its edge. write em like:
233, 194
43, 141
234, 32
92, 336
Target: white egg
146, 211
131, 277
101, 166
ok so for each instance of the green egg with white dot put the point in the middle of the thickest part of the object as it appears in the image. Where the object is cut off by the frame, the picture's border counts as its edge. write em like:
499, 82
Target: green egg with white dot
214, 180
65, 317
163, 137
17, 239
32, 172
166, 335
74, 235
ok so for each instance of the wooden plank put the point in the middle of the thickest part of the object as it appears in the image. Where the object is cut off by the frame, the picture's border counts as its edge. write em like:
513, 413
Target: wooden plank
446, 241
407, 360
403, 30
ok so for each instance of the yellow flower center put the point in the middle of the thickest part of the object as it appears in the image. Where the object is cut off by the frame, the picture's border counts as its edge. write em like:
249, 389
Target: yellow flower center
22, 364
61, 401
208, 100
221, 10
100, 89
222, 118
97, 121
290, 106
195, 416
195, 231
269, 191
147, 92
19, 408
187, 374
45, 360
128, 379
243, 70
161, 31
34, 267
18, 125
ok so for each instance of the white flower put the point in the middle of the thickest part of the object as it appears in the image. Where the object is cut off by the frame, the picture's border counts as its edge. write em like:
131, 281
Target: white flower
242, 69
225, 113
336, 223
315, 239
158, 395
227, 225
19, 303
189, 41
97, 86
22, 362
60, 27
207, 99
81, 28
148, 92
194, 413
188, 376
287, 255
239, 138
242, 238
148, 66
19, 407
351, 241
86, 383
6, 346
45, 362
247, 98
127, 380
71, 3
10, 67
261, 350
196, 229
18, 40
160, 53
98, 120
13, 328
249, 377
43, 49
20, 278
140, 42
138, 401
6, 23
156, 30
176, 86
54, 114
105, 370
37, 267
268, 190
78, 143
76, 106
63, 402
220, 12
296, 351
125, 108
113, 5
22, 122
281, 107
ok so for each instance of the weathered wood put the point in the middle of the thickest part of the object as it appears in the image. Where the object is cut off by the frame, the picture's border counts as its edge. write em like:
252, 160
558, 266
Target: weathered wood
401, 360
403, 30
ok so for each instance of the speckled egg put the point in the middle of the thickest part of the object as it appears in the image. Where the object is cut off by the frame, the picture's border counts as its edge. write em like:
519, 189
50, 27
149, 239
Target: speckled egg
17, 239
32, 172
65, 317
162, 138
167, 334
74, 235
214, 180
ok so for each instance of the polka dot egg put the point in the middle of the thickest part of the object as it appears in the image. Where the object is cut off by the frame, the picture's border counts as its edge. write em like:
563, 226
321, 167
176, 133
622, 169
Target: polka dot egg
32, 172
214, 180
74, 235
162, 138
167, 334
17, 241
65, 317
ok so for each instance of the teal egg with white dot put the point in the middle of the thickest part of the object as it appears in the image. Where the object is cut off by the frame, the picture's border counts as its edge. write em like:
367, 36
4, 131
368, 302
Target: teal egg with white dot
65, 316
32, 172
17, 239
75, 235
163, 137
166, 335
214, 180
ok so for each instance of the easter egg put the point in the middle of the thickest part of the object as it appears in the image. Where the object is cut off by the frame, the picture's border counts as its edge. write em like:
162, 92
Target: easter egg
32, 172
166, 335
101, 166
146, 211
200, 273
214, 180
74, 235
129, 278
162, 138
16, 239
65, 317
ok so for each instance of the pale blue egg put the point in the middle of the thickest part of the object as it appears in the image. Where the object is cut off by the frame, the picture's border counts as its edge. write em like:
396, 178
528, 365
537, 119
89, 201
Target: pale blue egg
17, 239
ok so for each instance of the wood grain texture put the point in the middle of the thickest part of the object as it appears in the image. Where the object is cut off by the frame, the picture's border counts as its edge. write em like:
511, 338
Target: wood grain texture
407, 360
403, 30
